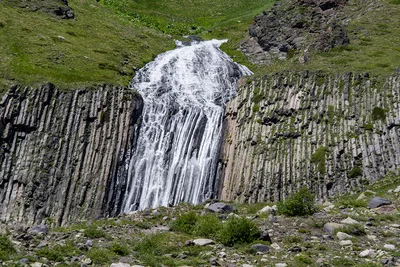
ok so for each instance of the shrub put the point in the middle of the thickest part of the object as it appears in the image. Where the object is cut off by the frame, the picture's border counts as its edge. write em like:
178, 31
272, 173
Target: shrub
6, 248
185, 223
58, 252
355, 172
238, 231
298, 204
207, 226
378, 114
319, 157
94, 233
100, 256
119, 249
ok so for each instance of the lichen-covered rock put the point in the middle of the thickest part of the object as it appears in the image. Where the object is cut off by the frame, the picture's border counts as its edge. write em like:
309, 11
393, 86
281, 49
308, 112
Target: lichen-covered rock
310, 129
290, 25
58, 8
62, 154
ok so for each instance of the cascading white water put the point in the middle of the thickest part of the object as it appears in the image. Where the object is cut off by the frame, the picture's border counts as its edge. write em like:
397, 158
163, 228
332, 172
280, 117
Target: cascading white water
176, 156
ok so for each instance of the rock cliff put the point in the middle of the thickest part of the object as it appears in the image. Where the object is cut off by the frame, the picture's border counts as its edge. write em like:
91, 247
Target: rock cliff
330, 133
62, 153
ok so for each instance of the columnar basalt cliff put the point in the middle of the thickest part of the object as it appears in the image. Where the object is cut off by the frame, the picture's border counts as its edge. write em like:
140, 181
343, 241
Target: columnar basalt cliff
62, 153
330, 133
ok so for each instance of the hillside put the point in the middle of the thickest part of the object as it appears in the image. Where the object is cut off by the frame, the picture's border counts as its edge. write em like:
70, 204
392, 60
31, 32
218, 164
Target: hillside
107, 40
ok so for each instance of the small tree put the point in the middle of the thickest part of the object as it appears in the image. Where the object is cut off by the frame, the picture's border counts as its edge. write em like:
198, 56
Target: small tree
298, 204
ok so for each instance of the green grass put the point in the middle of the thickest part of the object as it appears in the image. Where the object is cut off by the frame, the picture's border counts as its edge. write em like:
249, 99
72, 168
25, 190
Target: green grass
109, 39
374, 37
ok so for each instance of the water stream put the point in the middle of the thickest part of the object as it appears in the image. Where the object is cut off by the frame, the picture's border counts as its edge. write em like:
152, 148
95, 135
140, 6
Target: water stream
176, 157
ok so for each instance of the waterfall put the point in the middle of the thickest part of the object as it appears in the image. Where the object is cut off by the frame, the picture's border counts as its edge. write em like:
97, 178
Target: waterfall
176, 156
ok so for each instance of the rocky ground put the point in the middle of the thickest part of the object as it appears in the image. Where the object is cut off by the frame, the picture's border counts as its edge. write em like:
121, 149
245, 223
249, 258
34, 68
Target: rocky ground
361, 229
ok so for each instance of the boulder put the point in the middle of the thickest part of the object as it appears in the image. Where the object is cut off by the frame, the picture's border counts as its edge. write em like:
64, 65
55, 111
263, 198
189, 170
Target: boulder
39, 230
343, 236
367, 253
346, 243
203, 242
260, 248
331, 227
349, 220
220, 207
377, 202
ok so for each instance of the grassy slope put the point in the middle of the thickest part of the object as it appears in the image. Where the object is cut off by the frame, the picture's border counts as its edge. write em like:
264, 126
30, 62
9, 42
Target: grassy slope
374, 43
107, 40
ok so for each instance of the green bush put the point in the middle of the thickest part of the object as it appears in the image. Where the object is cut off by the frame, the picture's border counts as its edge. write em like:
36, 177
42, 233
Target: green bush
298, 204
355, 172
207, 226
100, 256
238, 231
319, 157
185, 223
58, 252
379, 113
119, 249
94, 233
6, 248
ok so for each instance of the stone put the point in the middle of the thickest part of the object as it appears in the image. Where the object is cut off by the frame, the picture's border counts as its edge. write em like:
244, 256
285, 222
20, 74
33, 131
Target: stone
120, 264
386, 210
222, 255
349, 220
331, 227
397, 190
343, 236
389, 247
203, 242
295, 249
264, 236
275, 246
24, 261
42, 243
377, 202
214, 262
39, 230
36, 264
266, 209
367, 253
89, 261
346, 243
220, 207
260, 248
282, 264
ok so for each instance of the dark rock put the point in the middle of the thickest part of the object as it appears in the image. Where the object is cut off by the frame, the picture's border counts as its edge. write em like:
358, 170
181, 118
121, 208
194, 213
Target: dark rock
265, 237
377, 202
220, 207
214, 262
295, 249
39, 230
298, 25
58, 8
260, 248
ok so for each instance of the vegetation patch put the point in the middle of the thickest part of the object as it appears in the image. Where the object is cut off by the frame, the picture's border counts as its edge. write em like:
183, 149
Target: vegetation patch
319, 158
355, 172
379, 113
298, 204
6, 248
238, 231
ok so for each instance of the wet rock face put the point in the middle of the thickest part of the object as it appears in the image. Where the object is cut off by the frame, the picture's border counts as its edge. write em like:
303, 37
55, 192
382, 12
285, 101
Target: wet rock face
62, 153
58, 8
291, 25
330, 133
